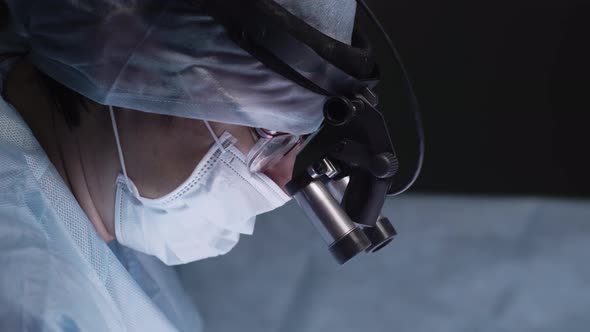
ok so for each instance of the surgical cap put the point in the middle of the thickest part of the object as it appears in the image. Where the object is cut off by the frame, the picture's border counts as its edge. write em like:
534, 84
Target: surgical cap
165, 57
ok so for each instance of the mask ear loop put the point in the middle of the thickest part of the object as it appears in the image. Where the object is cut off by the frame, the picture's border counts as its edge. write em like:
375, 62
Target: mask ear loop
215, 138
120, 151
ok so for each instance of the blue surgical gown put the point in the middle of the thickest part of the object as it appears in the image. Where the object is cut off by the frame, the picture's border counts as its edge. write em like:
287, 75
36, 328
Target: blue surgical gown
56, 274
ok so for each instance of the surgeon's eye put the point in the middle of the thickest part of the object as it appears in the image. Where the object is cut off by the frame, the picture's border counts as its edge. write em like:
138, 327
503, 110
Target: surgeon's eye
270, 148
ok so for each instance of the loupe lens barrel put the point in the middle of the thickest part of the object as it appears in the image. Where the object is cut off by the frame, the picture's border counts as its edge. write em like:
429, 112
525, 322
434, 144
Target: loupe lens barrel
380, 235
338, 187
343, 236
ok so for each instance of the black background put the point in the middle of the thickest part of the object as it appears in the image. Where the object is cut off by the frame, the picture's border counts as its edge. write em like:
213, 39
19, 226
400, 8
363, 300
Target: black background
503, 88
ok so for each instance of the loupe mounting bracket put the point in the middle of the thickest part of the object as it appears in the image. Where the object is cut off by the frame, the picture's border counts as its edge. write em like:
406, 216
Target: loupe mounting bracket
353, 142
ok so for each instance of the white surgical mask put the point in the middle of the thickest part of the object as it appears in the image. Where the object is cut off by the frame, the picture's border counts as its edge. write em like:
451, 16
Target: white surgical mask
204, 216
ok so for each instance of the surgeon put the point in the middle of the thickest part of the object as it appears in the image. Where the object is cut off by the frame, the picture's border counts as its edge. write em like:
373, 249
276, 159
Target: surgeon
127, 136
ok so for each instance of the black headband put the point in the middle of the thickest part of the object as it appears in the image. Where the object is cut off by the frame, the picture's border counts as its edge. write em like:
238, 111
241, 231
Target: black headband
272, 34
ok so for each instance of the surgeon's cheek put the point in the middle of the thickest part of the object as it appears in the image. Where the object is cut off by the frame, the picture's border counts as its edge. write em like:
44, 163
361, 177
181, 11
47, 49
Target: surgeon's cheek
282, 171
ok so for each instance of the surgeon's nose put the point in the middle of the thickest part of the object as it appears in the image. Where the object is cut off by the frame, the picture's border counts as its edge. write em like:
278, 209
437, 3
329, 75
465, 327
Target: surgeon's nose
282, 171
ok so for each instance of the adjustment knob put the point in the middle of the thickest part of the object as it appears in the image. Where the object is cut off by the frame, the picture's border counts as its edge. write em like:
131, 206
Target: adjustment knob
384, 165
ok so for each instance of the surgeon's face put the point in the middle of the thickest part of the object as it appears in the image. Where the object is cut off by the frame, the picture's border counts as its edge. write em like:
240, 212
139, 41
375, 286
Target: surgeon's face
162, 151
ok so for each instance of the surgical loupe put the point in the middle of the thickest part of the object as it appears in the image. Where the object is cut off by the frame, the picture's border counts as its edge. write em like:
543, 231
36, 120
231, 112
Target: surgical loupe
344, 171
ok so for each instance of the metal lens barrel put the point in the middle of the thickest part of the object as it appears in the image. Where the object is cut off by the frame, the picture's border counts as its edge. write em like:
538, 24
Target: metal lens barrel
344, 237
381, 234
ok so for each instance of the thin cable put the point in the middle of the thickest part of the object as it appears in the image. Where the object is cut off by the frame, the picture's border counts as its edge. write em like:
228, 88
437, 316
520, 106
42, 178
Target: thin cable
120, 150
412, 95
